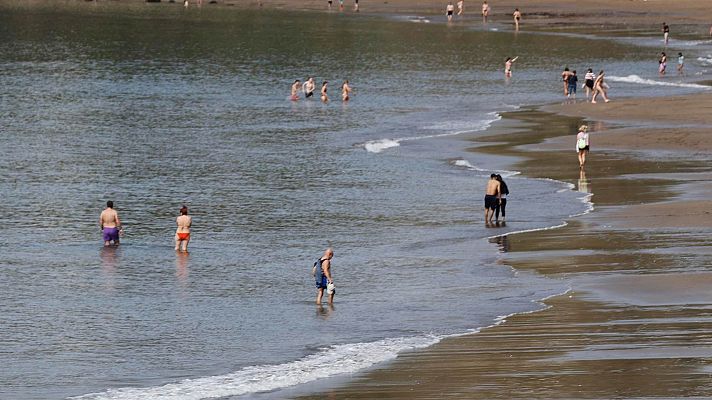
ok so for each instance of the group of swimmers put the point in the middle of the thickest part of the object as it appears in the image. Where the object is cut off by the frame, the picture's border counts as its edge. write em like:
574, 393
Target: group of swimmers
309, 86
341, 5
595, 85
112, 231
450, 11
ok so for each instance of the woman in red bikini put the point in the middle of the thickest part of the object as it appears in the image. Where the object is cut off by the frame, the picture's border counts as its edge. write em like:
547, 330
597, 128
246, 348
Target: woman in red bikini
183, 232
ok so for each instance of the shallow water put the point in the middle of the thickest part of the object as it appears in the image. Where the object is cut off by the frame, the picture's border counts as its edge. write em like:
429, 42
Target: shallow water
154, 107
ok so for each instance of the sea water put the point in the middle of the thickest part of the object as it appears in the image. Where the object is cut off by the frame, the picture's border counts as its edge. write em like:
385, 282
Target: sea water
155, 106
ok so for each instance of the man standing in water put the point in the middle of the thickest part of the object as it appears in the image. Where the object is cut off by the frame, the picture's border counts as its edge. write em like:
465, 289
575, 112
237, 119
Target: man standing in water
323, 278
666, 33
309, 86
492, 197
110, 224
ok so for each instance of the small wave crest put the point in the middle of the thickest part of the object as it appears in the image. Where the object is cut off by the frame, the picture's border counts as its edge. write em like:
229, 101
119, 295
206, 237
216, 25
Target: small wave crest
705, 60
377, 146
643, 81
466, 164
331, 361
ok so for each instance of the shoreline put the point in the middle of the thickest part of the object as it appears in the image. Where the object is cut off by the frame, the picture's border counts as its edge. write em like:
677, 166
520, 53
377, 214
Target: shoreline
473, 363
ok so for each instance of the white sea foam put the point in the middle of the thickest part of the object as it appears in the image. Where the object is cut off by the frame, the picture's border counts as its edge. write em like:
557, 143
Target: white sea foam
643, 81
377, 146
705, 60
466, 164
331, 361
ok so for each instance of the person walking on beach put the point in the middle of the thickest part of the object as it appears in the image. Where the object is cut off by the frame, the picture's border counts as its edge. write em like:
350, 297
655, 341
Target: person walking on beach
582, 145
355, 5
323, 277
449, 10
182, 238
680, 63
492, 197
341, 5
324, 97
345, 91
599, 87
517, 16
508, 66
309, 88
573, 82
666, 33
329, 2
110, 224
565, 77
662, 63
502, 204
460, 7
295, 90
589, 78
485, 11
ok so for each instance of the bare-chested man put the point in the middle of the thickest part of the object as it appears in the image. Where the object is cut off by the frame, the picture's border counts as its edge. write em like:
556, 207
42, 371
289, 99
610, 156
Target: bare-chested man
110, 224
323, 278
309, 86
183, 231
492, 197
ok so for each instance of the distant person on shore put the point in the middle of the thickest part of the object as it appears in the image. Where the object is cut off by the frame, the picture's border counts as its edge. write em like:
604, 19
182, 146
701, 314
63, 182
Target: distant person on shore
323, 277
565, 77
485, 11
324, 97
666, 33
345, 91
508, 66
573, 82
680, 63
355, 5
183, 231
517, 17
599, 87
582, 145
492, 197
460, 7
309, 87
329, 3
449, 10
110, 224
341, 5
185, 3
295, 90
502, 204
662, 63
589, 78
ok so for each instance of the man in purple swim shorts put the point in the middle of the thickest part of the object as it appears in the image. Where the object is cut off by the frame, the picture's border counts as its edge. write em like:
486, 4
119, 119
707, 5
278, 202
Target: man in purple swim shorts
110, 223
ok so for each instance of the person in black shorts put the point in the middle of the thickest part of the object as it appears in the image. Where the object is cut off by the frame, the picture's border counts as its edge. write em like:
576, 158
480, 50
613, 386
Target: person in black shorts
492, 197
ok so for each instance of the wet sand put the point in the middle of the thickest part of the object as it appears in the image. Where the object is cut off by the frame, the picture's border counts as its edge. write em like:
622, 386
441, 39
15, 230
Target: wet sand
636, 323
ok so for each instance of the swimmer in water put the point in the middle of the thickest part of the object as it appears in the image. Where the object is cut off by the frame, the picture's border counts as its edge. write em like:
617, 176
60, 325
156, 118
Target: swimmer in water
449, 10
345, 90
183, 231
662, 63
309, 87
508, 66
324, 97
295, 90
485, 11
599, 87
517, 16
680, 63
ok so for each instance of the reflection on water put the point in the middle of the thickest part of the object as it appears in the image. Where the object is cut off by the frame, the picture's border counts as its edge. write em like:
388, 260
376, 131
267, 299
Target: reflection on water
182, 264
583, 183
324, 312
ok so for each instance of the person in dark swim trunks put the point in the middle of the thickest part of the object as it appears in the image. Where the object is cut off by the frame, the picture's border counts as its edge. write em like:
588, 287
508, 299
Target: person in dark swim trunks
492, 197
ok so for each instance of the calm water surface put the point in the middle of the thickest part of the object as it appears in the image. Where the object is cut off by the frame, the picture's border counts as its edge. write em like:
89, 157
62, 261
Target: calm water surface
156, 107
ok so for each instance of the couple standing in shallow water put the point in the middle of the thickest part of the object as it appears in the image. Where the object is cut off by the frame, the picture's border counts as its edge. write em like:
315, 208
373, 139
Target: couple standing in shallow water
495, 198
110, 225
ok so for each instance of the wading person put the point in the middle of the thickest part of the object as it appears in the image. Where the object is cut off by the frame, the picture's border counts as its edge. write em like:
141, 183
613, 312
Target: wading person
323, 278
110, 224
182, 237
582, 145
492, 196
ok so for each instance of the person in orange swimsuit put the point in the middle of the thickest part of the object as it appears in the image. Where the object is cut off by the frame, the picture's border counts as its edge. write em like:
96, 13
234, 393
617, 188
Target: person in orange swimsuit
183, 232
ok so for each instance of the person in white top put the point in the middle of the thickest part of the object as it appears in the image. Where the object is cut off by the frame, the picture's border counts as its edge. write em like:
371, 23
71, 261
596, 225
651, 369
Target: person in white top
582, 145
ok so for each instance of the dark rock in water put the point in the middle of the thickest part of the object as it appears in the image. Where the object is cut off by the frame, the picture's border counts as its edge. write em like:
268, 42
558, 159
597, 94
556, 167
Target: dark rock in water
153, 1
213, 2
